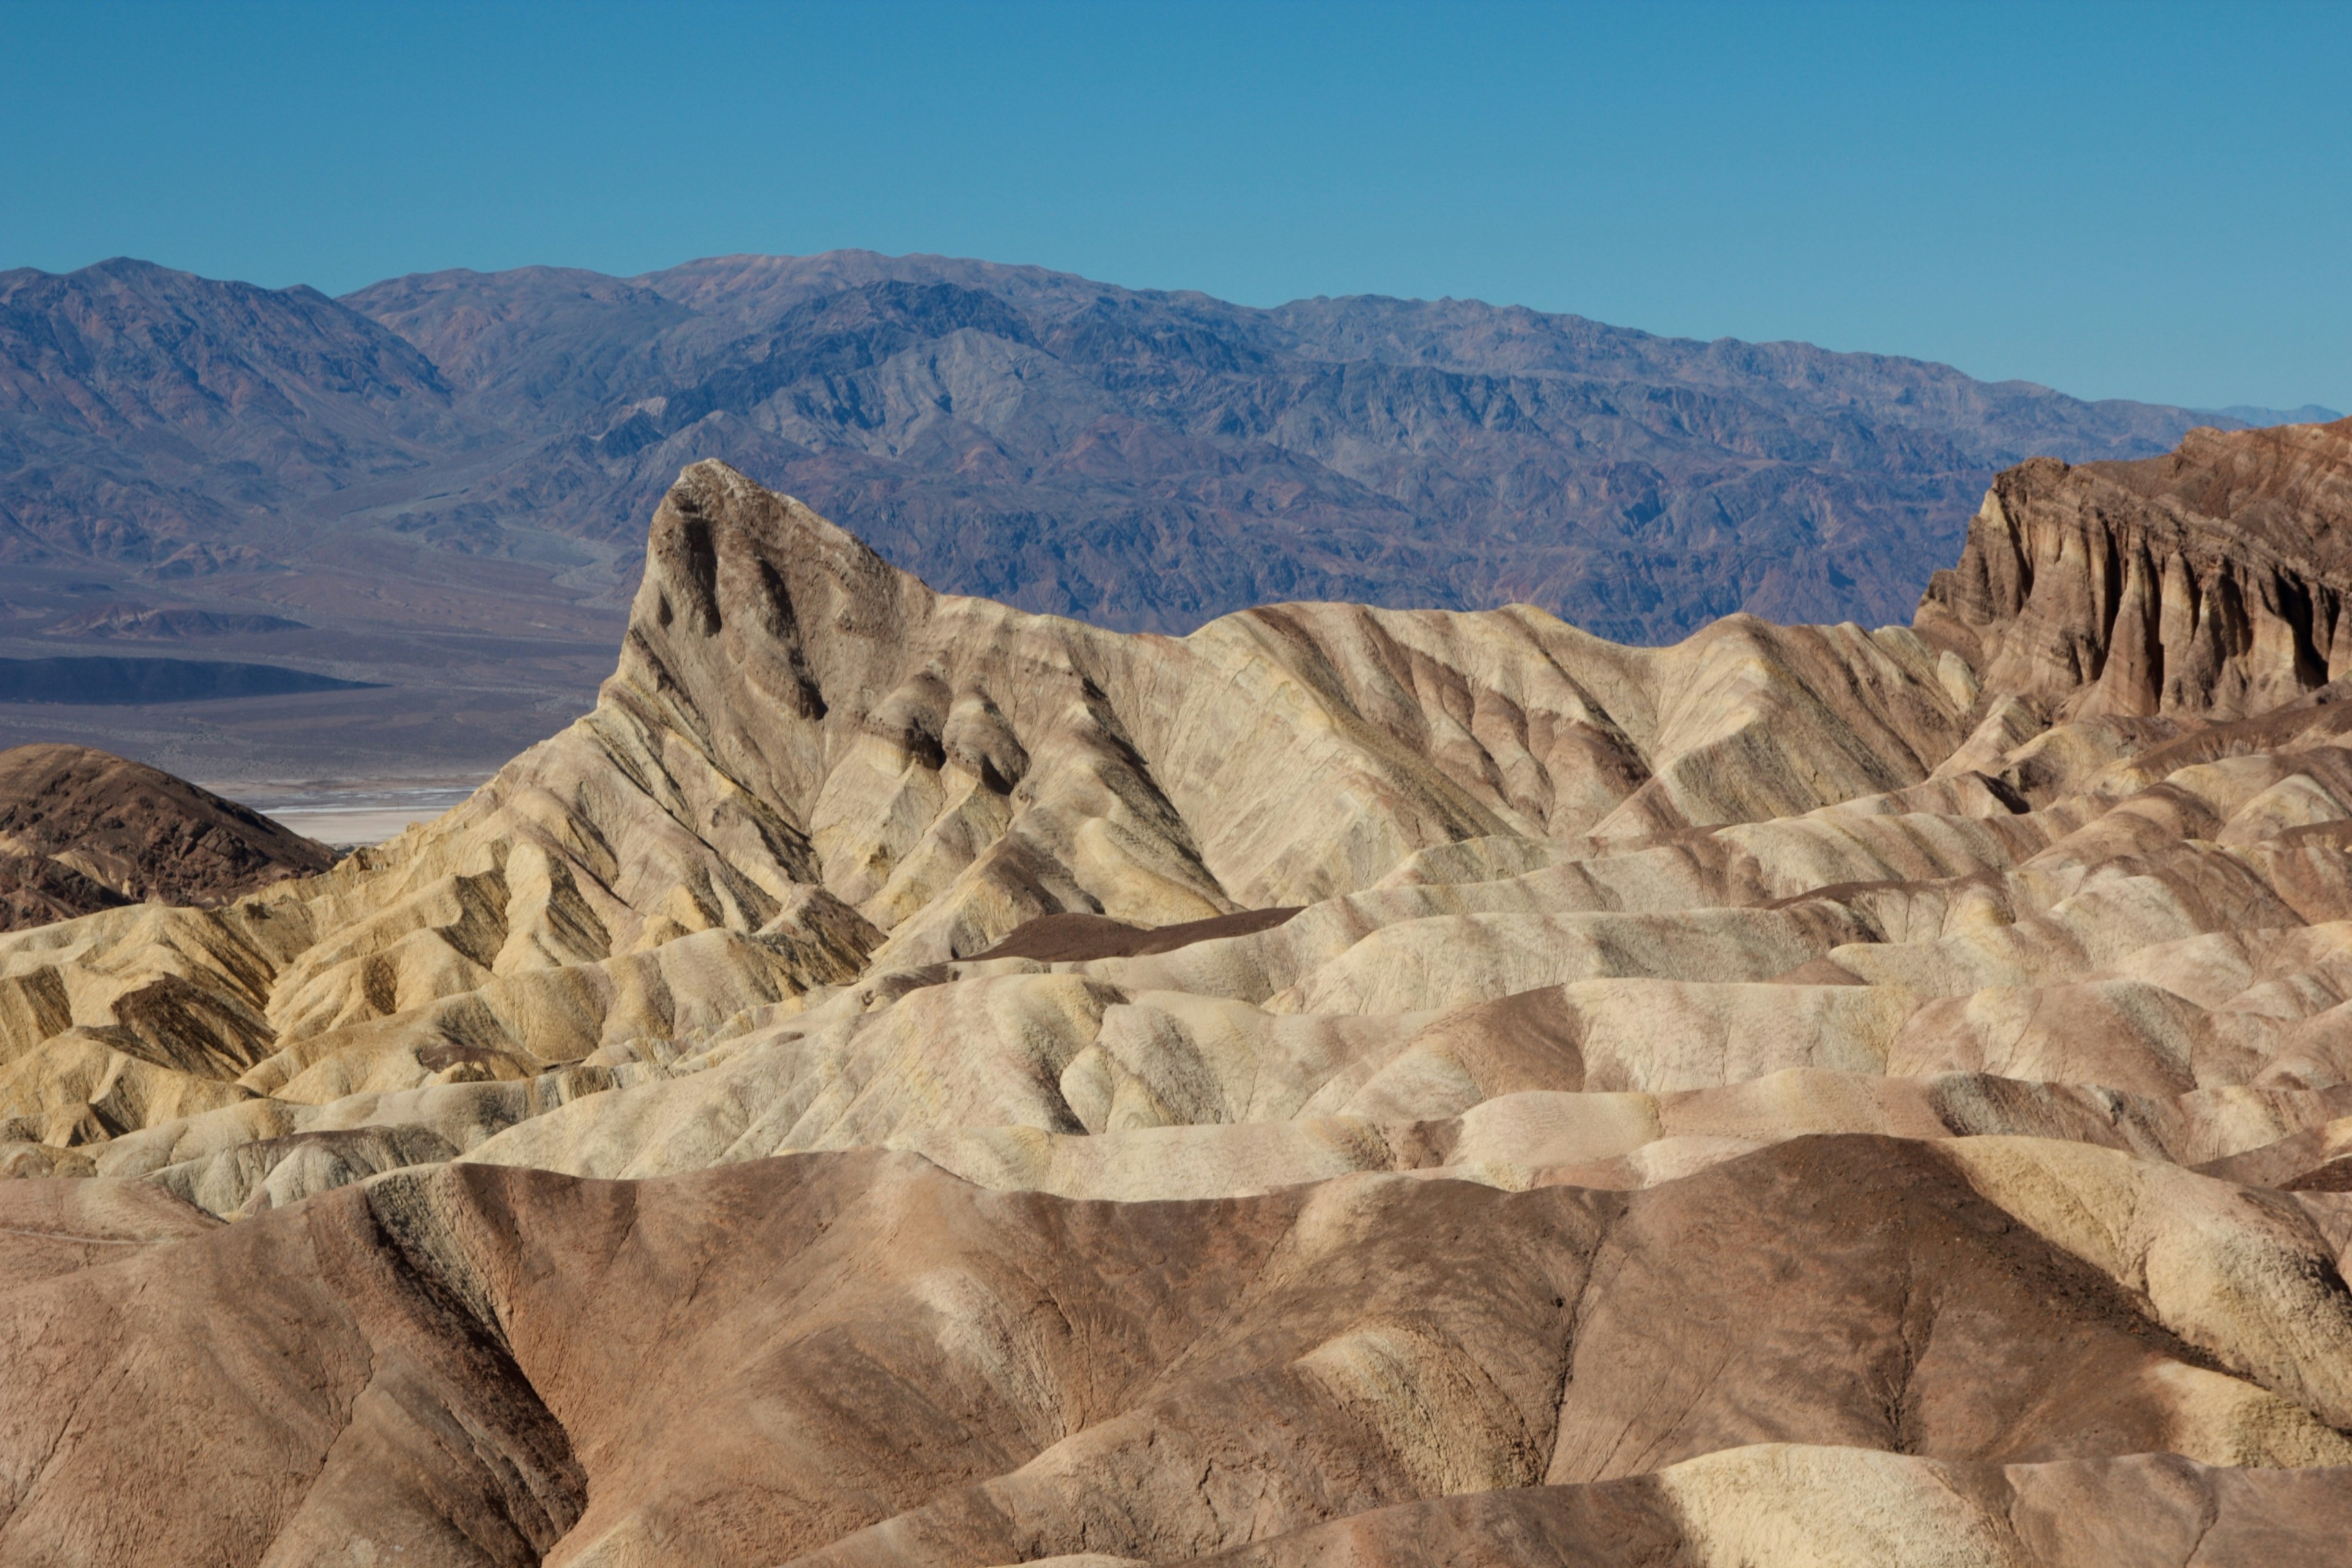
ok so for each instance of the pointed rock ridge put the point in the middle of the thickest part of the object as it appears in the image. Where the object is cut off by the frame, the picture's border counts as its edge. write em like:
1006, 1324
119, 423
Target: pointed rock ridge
951, 767
2213, 581
808, 767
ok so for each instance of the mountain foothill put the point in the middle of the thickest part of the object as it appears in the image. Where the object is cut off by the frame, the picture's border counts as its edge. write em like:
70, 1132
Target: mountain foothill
82, 831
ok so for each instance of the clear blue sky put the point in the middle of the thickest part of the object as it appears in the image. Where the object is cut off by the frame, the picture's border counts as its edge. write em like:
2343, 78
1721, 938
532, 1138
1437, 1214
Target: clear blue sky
2149, 201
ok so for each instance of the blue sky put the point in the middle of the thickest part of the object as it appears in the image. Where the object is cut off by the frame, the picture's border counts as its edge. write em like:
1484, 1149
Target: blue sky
2147, 201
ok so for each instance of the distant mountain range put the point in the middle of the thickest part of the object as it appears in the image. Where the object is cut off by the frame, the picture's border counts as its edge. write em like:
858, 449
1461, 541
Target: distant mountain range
1145, 461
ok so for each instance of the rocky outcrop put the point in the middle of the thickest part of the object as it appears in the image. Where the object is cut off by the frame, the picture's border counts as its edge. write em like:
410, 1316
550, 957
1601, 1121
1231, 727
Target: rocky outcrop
909, 1081
2212, 581
81, 831
809, 765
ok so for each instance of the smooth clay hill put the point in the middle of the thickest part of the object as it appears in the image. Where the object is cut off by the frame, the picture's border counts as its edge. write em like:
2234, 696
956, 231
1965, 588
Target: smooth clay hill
1802, 1096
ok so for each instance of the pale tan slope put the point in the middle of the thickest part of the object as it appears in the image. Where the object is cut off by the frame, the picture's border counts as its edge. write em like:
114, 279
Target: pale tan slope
2121, 953
808, 764
1800, 1505
720, 917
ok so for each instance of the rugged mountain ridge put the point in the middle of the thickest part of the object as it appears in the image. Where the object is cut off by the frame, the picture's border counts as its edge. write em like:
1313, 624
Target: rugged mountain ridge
1800, 1096
1150, 460
1146, 461
144, 412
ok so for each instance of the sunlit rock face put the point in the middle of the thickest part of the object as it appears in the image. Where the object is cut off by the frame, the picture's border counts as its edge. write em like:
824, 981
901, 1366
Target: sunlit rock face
2213, 581
909, 1081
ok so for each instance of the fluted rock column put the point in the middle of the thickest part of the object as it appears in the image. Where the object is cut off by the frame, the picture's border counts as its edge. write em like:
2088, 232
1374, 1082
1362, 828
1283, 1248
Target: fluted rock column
2207, 582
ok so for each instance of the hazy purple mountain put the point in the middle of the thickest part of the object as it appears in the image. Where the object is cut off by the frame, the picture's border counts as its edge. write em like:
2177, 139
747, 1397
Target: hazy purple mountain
2249, 414
1138, 458
153, 418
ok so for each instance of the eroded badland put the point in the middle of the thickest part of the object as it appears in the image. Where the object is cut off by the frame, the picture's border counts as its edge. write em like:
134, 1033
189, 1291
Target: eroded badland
1804, 1095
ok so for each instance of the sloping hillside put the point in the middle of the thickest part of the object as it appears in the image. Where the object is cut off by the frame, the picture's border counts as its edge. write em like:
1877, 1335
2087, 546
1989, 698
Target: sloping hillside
82, 831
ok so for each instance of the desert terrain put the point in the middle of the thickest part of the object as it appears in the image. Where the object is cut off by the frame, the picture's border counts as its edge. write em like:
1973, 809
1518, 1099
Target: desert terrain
436, 487
906, 1079
82, 831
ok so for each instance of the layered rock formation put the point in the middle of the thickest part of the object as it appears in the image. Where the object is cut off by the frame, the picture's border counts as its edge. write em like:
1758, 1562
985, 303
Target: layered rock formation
82, 831
2211, 581
909, 1081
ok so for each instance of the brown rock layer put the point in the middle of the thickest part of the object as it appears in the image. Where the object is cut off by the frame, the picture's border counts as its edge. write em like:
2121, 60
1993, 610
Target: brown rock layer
2213, 580
885, 1365
36, 890
81, 831
1073, 938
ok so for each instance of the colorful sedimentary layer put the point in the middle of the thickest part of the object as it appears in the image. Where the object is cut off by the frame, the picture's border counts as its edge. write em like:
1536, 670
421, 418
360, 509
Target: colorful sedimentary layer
908, 1080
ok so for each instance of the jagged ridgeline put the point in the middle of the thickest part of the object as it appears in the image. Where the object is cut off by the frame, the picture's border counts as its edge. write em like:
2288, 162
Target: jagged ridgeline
1804, 1095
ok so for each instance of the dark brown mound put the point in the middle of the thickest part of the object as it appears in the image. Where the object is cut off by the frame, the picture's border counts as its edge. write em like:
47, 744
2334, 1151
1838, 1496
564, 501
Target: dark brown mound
1073, 938
134, 833
857, 1356
35, 891
2334, 1176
